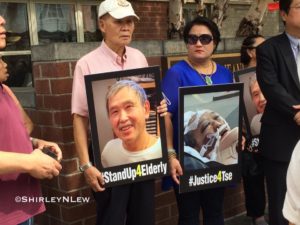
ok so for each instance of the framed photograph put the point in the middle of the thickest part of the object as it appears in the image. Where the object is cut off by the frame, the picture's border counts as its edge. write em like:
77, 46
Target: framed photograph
210, 135
128, 135
254, 105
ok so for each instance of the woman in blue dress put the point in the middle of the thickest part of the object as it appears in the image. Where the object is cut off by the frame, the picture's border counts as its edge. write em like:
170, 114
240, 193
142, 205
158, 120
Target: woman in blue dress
201, 37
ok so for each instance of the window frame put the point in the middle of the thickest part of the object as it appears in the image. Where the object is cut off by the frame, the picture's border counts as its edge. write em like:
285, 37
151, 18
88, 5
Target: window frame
33, 34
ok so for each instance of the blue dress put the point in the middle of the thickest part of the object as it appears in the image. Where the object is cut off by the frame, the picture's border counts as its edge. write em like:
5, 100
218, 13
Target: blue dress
211, 200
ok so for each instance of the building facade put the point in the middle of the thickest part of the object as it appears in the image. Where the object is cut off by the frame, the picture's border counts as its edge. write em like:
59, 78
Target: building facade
45, 40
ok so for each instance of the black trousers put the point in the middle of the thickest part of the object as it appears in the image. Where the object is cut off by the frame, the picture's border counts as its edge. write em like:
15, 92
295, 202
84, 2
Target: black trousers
254, 184
210, 201
275, 172
130, 204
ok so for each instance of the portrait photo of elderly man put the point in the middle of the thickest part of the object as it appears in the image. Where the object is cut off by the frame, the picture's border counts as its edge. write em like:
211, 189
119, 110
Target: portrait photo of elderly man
208, 140
128, 109
259, 102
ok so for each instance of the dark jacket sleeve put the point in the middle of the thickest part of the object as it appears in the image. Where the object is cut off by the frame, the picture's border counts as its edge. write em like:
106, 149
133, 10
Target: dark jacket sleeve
275, 80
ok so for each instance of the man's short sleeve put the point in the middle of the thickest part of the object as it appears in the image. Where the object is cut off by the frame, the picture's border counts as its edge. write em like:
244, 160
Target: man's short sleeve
79, 99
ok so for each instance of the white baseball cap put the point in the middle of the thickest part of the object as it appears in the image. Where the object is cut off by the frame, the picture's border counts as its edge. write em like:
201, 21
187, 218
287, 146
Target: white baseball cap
118, 9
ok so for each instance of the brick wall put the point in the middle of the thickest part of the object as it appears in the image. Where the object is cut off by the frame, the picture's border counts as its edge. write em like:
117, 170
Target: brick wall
152, 15
52, 119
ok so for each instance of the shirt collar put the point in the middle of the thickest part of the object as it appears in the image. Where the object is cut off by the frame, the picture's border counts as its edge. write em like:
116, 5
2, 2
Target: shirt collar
294, 41
116, 58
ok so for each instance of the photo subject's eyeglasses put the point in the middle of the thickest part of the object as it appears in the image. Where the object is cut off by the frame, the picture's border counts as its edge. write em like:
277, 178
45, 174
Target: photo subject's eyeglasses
205, 39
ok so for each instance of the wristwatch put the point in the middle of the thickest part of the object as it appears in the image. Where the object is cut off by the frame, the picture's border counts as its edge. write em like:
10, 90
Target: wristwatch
85, 167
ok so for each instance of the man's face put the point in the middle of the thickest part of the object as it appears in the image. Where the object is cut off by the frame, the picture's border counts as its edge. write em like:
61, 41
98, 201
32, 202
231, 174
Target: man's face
211, 128
3, 71
292, 19
128, 116
2, 33
257, 97
117, 32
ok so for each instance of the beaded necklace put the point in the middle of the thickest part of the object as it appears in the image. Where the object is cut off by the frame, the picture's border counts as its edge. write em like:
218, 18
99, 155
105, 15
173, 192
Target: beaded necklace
205, 77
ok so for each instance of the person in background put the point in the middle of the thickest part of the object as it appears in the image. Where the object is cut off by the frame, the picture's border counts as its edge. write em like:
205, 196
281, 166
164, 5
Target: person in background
20, 165
291, 207
133, 203
201, 37
278, 75
253, 175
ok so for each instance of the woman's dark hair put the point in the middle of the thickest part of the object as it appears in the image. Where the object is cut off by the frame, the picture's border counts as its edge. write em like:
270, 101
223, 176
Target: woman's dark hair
284, 5
199, 20
248, 43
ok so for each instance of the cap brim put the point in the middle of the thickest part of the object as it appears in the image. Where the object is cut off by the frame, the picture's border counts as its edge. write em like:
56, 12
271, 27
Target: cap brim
121, 13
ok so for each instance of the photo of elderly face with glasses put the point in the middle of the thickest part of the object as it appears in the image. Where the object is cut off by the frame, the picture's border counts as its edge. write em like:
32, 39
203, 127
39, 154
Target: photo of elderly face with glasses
210, 129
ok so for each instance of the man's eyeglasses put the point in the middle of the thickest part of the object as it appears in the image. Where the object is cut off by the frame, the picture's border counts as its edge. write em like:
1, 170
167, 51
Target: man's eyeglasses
205, 39
297, 7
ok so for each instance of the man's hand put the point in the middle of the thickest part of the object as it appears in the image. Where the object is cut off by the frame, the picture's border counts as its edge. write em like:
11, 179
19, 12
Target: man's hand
162, 109
38, 143
42, 166
94, 179
297, 116
175, 169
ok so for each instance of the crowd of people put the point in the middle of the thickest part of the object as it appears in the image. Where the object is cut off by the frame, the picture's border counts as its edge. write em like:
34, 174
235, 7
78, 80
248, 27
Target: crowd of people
275, 93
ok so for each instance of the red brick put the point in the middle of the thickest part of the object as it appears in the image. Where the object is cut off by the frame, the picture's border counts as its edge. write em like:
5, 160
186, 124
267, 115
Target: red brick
53, 70
90, 221
32, 113
68, 134
69, 151
55, 221
50, 183
68, 183
52, 133
36, 131
78, 212
69, 166
36, 70
164, 198
42, 86
72, 67
154, 61
39, 101
61, 86
162, 213
53, 209
42, 219
44, 117
174, 209
63, 118
87, 192
170, 221
57, 102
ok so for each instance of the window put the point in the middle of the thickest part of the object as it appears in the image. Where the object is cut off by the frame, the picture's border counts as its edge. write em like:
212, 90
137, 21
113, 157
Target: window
61, 21
17, 27
90, 25
55, 23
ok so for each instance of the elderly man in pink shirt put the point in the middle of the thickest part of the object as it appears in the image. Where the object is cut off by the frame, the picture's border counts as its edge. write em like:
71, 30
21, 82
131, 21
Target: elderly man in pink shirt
133, 203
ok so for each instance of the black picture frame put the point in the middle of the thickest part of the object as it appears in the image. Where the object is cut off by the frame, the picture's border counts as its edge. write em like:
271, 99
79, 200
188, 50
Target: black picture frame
101, 129
246, 76
200, 172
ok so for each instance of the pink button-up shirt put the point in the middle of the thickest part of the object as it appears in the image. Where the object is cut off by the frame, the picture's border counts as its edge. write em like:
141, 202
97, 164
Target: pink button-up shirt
101, 60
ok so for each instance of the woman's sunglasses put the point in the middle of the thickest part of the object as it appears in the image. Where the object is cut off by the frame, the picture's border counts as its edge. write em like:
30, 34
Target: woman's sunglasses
205, 39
